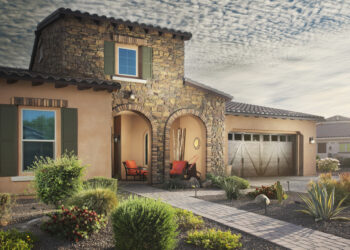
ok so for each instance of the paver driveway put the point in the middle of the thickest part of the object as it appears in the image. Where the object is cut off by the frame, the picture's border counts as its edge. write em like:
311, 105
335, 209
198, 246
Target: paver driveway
279, 232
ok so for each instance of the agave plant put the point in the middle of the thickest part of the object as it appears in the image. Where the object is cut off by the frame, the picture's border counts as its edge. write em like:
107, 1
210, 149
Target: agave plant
320, 204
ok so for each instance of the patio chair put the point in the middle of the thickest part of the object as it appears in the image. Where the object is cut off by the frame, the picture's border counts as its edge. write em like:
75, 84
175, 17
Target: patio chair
178, 169
131, 169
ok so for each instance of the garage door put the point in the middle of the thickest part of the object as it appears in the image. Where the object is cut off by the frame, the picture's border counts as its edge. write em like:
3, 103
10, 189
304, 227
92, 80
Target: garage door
261, 154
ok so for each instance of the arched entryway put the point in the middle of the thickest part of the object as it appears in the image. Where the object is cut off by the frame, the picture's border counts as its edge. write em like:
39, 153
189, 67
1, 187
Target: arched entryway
195, 141
133, 136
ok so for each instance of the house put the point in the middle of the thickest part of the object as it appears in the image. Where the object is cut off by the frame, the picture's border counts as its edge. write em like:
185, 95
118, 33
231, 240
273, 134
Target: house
333, 138
113, 90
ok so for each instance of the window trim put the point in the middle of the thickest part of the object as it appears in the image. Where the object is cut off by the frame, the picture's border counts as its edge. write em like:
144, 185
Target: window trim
34, 140
146, 148
128, 47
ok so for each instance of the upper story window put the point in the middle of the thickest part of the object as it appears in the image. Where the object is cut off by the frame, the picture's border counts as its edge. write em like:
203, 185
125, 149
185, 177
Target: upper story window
38, 135
127, 62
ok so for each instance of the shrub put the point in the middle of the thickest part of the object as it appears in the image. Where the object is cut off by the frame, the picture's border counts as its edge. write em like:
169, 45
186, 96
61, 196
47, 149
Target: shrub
341, 187
240, 182
12, 239
345, 163
140, 223
175, 183
74, 223
102, 182
215, 179
187, 220
230, 188
320, 204
57, 180
328, 165
212, 239
5, 208
269, 191
101, 200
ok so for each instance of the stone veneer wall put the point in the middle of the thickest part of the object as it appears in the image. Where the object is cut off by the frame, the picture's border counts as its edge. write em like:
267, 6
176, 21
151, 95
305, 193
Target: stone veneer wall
161, 100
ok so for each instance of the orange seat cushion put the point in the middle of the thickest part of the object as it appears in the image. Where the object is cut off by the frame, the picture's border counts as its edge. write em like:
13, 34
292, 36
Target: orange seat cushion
144, 172
132, 167
178, 167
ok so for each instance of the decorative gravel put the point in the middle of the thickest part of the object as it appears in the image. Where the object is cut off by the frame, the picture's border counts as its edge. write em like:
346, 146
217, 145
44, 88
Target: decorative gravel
287, 212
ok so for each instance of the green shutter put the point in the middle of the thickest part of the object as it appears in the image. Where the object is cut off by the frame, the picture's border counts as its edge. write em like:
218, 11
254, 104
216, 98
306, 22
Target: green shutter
147, 62
69, 130
109, 58
8, 140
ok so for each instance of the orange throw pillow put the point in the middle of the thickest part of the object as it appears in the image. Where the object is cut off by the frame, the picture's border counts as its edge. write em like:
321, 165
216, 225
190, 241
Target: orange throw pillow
178, 167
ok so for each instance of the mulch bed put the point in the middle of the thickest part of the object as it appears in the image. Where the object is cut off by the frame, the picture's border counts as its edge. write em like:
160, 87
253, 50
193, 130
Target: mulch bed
287, 212
29, 208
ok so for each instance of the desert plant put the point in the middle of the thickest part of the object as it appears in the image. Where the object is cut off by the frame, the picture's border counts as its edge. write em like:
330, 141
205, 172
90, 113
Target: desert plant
214, 239
74, 223
328, 165
140, 223
269, 191
101, 182
240, 182
279, 191
341, 187
5, 208
187, 220
12, 239
231, 189
101, 200
320, 204
56, 180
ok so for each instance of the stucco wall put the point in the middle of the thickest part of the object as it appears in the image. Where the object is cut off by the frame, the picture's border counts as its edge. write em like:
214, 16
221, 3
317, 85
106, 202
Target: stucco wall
94, 124
270, 125
194, 128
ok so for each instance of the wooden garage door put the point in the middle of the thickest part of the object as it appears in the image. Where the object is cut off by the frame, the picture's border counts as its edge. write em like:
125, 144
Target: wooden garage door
261, 154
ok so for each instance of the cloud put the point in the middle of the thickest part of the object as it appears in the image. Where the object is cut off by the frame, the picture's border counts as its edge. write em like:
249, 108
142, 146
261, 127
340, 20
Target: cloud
285, 53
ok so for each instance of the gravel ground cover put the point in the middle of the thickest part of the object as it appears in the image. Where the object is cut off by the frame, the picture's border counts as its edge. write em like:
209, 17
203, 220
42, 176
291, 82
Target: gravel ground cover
28, 208
287, 212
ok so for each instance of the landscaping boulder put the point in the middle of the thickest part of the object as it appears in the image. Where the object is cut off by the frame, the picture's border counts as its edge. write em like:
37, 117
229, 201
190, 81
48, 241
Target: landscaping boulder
262, 199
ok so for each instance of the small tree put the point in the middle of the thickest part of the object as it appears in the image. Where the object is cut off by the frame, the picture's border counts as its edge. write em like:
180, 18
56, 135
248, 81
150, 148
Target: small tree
56, 180
328, 164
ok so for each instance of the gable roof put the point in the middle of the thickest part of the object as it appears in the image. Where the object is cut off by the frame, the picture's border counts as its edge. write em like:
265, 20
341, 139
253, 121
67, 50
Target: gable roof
189, 82
37, 78
334, 129
337, 118
237, 108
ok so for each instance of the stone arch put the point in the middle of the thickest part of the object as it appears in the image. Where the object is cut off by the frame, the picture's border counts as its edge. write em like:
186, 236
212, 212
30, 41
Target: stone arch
168, 124
140, 110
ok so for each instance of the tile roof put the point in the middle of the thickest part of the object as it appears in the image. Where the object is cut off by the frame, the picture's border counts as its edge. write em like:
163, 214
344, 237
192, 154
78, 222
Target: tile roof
338, 118
237, 108
63, 11
13, 74
333, 129
204, 87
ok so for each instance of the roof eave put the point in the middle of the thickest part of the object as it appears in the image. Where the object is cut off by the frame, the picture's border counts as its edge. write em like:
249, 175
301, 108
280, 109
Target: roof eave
274, 116
188, 82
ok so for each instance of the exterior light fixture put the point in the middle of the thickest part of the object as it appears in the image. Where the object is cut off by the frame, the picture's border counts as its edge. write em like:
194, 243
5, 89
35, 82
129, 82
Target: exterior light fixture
129, 95
132, 96
312, 140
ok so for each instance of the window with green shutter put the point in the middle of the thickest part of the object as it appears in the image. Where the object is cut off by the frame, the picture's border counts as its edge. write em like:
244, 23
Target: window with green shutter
109, 58
147, 54
8, 140
69, 130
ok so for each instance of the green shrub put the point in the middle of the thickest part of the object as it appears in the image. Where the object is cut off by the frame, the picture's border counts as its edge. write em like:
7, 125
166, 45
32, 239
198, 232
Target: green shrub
215, 179
187, 220
328, 165
218, 181
240, 182
175, 183
231, 189
74, 223
341, 187
269, 191
102, 182
57, 180
140, 223
5, 208
101, 200
320, 204
212, 239
12, 239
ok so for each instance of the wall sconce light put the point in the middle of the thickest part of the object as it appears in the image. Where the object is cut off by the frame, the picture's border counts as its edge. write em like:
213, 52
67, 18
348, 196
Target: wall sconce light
129, 95
116, 138
312, 140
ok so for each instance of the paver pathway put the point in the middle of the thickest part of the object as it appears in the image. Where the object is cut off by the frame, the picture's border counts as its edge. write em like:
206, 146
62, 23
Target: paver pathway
279, 232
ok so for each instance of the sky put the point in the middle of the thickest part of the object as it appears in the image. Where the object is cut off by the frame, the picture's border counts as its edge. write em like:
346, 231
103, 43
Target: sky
288, 54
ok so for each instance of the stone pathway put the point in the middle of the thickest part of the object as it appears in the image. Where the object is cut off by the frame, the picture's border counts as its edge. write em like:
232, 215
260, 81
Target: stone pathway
279, 232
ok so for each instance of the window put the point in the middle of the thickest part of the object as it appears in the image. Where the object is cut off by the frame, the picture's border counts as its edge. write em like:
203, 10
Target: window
230, 137
127, 61
38, 135
283, 138
247, 137
321, 148
256, 137
238, 137
266, 137
146, 149
344, 147
274, 137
